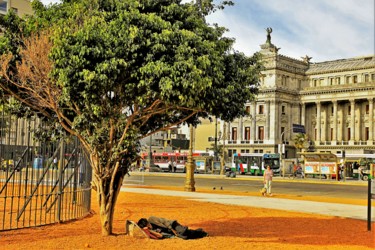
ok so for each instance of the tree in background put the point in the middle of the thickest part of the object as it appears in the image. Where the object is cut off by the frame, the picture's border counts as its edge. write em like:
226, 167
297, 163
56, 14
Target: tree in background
301, 141
114, 71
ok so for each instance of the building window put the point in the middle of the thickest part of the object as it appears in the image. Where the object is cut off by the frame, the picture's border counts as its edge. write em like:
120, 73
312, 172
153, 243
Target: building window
372, 77
338, 80
283, 110
260, 133
331, 134
247, 133
316, 134
315, 83
347, 80
349, 110
355, 79
331, 81
367, 133
367, 78
261, 109
349, 134
234, 133
230, 152
283, 133
332, 110
3, 6
248, 110
367, 109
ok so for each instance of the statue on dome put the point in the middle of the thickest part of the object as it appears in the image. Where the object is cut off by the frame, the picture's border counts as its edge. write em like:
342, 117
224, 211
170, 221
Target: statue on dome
306, 58
269, 31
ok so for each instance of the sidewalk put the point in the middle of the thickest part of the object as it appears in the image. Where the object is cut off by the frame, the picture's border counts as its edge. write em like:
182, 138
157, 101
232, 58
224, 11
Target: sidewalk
348, 180
313, 207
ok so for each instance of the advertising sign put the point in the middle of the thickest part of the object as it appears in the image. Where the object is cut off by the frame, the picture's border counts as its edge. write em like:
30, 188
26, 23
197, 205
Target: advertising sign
311, 167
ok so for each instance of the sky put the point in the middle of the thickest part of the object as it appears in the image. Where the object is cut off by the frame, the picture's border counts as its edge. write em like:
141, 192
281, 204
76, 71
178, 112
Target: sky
322, 29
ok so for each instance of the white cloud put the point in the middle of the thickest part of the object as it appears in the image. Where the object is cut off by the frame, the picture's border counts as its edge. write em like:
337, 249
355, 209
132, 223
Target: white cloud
323, 29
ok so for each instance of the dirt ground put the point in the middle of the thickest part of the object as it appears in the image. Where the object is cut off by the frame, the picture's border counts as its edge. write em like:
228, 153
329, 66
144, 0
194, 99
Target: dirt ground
229, 227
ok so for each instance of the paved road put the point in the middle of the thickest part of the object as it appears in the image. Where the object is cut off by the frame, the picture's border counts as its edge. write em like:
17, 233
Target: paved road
331, 209
352, 189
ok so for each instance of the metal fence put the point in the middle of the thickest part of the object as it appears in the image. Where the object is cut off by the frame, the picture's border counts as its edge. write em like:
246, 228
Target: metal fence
41, 182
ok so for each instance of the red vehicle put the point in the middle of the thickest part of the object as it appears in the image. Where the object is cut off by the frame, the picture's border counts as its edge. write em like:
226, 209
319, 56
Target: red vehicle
178, 160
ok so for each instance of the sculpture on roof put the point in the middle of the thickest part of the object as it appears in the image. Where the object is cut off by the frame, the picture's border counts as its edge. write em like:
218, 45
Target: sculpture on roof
306, 58
269, 31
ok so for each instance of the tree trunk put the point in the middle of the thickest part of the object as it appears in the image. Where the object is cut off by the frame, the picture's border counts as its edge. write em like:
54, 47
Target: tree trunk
107, 197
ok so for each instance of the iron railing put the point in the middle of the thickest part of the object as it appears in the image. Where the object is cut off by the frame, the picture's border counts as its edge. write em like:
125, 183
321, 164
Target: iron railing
41, 182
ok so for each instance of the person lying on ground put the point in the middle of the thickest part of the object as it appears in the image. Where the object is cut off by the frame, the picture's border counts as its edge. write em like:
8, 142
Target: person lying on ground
159, 228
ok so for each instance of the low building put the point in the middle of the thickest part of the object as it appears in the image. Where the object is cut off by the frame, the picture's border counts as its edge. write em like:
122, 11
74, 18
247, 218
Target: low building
20, 7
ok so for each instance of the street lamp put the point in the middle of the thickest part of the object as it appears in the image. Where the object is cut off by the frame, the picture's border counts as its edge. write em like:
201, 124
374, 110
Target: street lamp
222, 163
215, 149
189, 180
150, 153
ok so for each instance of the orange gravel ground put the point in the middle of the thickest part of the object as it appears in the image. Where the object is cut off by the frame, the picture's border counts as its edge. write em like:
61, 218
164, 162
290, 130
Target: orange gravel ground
229, 227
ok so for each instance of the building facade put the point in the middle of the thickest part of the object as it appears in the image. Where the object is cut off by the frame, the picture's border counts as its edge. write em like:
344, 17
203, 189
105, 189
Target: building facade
21, 7
333, 100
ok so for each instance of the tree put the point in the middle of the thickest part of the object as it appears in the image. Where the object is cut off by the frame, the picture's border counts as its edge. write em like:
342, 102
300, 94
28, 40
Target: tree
115, 71
301, 141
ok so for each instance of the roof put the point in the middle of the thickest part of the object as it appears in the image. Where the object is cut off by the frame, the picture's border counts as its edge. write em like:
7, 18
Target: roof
342, 65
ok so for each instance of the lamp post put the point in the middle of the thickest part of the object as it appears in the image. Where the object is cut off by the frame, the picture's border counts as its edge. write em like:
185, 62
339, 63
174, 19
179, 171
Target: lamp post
189, 180
150, 153
222, 163
215, 149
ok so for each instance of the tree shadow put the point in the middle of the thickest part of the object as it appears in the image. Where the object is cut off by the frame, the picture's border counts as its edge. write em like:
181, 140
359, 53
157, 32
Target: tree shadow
304, 231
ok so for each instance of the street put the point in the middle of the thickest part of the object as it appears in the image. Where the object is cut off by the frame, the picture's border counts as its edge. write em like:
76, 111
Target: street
351, 189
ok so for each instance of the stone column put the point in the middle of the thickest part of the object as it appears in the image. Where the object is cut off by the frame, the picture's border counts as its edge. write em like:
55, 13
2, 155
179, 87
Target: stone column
291, 112
240, 130
277, 120
253, 122
273, 122
371, 119
352, 120
267, 127
303, 113
341, 126
358, 124
318, 121
334, 136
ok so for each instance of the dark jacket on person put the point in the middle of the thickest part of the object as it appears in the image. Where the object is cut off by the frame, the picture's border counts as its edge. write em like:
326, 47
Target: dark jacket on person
172, 227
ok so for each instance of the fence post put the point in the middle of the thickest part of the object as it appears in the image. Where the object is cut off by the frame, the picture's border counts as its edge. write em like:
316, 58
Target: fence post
60, 192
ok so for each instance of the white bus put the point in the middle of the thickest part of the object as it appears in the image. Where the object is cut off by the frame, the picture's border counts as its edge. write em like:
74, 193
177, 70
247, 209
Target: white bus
353, 161
255, 163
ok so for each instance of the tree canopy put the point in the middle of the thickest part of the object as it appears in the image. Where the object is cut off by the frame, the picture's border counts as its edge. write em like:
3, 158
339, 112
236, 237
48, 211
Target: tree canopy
114, 71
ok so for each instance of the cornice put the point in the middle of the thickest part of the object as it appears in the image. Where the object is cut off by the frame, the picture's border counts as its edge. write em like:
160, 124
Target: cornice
330, 90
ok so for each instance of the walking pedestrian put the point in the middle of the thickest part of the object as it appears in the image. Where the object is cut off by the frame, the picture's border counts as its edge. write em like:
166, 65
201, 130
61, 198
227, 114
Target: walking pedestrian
267, 180
360, 173
291, 166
